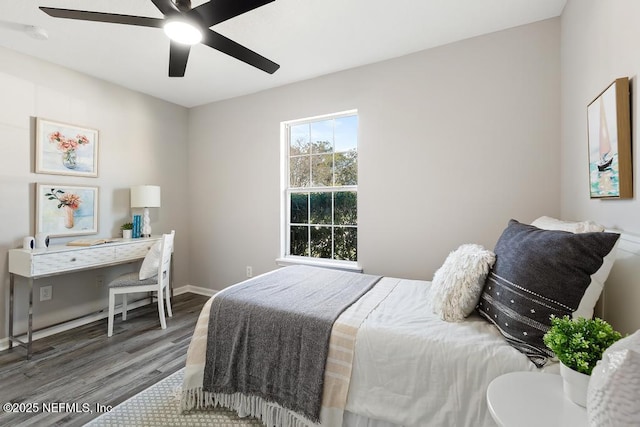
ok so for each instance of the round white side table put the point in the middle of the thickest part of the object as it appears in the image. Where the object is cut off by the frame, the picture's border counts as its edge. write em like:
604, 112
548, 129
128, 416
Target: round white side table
523, 399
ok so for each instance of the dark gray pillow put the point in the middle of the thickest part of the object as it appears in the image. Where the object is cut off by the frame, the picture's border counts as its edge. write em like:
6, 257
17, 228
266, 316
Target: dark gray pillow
538, 273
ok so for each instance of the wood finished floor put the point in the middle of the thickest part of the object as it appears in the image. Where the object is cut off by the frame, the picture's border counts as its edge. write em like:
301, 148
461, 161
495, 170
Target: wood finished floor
82, 365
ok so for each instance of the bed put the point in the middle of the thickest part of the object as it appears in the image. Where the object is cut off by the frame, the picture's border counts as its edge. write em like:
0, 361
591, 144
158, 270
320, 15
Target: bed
405, 365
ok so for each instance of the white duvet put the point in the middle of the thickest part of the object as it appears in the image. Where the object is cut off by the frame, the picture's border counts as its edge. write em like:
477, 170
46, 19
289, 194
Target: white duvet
409, 368
413, 369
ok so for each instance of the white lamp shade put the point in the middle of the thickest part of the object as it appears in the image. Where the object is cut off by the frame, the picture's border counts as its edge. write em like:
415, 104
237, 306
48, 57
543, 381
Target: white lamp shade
145, 196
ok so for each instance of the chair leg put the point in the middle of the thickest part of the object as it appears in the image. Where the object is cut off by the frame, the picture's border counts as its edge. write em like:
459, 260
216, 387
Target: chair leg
167, 294
124, 306
163, 322
112, 305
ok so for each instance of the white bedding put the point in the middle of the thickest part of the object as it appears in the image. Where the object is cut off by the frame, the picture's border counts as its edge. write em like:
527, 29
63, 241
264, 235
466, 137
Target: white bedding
411, 368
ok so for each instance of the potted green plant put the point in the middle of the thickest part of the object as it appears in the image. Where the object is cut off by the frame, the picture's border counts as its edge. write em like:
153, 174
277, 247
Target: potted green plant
579, 345
127, 228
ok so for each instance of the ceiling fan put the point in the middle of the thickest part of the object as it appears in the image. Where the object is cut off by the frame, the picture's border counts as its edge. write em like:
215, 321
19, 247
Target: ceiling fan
185, 26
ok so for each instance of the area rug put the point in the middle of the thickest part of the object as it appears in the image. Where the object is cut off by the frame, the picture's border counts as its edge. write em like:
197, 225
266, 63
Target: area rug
159, 405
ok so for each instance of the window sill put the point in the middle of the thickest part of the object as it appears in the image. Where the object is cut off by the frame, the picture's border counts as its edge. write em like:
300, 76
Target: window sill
334, 264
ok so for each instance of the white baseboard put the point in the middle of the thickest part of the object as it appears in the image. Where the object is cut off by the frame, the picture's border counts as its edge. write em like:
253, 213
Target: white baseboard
85, 320
195, 290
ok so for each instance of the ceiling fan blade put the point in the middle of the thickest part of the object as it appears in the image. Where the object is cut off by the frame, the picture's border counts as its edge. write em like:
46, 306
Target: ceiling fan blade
178, 56
167, 7
113, 18
231, 48
216, 11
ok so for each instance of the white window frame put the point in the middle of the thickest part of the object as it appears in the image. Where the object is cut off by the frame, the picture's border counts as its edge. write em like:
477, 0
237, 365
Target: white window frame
285, 207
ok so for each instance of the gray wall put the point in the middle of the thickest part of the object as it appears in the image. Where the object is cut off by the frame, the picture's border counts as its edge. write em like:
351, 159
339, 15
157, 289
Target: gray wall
142, 141
599, 42
454, 141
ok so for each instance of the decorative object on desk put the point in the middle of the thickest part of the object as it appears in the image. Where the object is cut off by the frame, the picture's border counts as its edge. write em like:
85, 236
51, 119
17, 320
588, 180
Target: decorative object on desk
609, 126
127, 230
579, 345
145, 196
613, 397
63, 210
137, 220
65, 149
42, 240
90, 242
28, 242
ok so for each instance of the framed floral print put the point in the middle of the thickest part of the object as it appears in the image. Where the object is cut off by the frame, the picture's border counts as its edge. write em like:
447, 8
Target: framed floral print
65, 210
65, 149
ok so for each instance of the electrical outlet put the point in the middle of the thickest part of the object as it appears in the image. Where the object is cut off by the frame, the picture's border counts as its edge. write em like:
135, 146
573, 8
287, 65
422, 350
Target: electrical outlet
46, 293
99, 280
249, 271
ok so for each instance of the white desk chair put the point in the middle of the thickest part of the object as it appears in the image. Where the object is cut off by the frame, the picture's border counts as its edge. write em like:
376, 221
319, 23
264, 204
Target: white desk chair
154, 275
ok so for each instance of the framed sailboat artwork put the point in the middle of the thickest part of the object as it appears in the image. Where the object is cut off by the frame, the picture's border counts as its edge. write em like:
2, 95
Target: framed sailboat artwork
609, 132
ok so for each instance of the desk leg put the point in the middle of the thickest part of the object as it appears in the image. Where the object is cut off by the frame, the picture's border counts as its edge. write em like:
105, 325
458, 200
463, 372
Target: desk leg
30, 329
11, 285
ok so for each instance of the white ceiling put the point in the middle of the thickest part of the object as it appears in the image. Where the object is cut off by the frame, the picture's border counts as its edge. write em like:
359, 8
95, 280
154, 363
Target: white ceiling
308, 38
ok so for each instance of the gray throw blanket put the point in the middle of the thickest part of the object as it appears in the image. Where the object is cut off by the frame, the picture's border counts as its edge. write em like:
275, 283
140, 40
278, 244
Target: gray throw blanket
269, 337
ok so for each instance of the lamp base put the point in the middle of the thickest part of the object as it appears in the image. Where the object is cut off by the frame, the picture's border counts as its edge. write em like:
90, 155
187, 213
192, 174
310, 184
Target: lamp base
146, 224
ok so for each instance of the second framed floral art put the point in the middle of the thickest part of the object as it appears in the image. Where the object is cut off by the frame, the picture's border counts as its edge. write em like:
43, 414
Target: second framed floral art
65, 210
65, 149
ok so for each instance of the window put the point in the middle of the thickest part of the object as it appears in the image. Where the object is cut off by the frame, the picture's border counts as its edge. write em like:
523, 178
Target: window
321, 188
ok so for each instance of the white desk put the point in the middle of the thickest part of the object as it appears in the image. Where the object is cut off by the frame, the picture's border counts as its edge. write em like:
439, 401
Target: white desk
523, 399
54, 260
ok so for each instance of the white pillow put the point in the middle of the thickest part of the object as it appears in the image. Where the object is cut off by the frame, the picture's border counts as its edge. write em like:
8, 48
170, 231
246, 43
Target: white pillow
457, 285
548, 223
613, 397
151, 262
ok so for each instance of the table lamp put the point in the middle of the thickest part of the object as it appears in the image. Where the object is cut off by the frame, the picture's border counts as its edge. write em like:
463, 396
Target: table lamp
145, 196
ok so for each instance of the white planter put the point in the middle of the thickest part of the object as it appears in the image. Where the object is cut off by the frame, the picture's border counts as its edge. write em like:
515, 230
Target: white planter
575, 385
126, 234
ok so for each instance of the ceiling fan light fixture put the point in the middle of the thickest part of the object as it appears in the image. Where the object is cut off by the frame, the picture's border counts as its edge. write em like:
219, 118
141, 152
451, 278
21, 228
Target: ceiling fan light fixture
183, 32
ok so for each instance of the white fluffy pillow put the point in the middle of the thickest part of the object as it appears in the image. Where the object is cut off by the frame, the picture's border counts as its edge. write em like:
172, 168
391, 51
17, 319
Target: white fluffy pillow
548, 223
151, 262
457, 285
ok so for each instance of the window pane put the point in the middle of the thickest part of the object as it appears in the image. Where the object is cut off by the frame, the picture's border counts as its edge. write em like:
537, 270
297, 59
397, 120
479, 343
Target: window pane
322, 170
346, 134
322, 156
299, 139
321, 242
299, 208
299, 241
322, 136
346, 243
299, 175
346, 167
346, 208
320, 208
